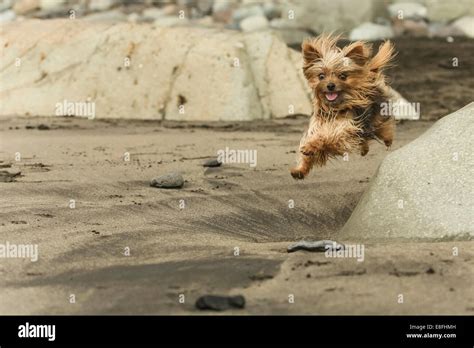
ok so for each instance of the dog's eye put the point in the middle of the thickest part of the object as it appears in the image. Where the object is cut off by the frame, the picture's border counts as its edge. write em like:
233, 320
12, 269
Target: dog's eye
343, 77
321, 76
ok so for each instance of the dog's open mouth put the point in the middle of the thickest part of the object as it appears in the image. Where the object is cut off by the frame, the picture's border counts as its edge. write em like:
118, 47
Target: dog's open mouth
331, 96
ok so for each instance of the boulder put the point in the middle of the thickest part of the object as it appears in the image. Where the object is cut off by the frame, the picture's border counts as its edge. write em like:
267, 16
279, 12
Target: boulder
371, 31
445, 11
147, 72
423, 191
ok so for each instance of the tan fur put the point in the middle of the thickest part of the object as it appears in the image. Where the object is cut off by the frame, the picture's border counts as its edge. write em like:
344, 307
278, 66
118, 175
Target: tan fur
342, 126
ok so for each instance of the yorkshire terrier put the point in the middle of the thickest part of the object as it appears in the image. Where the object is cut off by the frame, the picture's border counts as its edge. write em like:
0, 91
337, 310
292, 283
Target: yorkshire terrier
349, 89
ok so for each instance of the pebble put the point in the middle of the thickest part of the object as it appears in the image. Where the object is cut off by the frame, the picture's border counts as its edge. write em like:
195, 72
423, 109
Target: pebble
220, 303
212, 163
6, 176
168, 181
319, 246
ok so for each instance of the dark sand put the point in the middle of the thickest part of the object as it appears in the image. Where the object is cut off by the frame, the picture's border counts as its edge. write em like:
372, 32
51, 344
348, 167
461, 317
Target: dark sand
190, 251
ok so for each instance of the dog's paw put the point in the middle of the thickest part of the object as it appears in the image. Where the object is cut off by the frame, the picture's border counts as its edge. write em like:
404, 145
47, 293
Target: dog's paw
364, 151
297, 174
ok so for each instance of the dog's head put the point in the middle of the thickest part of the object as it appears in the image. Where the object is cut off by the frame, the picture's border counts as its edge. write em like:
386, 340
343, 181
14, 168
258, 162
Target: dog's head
343, 78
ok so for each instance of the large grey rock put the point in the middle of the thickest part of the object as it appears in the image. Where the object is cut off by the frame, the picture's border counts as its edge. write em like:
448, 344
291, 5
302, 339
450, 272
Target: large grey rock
425, 190
148, 72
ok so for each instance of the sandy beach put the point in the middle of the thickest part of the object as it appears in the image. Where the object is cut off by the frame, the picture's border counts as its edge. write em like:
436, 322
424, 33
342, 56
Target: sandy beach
183, 241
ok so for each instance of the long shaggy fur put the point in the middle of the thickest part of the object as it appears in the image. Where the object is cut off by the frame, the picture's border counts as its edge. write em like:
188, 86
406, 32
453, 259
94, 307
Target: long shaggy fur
353, 119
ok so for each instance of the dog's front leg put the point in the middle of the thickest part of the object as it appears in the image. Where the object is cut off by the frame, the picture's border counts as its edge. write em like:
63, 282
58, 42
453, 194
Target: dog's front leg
309, 145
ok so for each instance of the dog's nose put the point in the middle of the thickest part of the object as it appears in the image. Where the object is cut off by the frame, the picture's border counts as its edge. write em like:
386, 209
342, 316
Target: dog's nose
331, 86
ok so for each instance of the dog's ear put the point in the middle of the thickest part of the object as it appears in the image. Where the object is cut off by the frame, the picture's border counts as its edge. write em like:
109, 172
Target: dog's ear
358, 51
383, 58
311, 51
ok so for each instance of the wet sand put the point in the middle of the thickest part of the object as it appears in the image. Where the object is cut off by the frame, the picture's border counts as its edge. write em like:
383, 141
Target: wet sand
190, 250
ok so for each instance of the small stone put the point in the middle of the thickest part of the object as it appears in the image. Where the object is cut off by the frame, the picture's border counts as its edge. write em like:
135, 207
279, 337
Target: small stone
6, 176
318, 246
22, 7
101, 5
168, 181
6, 5
254, 23
212, 163
7, 16
271, 10
220, 303
205, 6
407, 10
371, 31
52, 5
247, 11
222, 11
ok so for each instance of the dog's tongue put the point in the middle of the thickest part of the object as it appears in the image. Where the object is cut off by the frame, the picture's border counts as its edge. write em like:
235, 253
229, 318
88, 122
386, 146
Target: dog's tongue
331, 96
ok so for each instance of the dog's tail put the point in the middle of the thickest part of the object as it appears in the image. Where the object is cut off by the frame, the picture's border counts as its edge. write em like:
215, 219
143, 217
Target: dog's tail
383, 58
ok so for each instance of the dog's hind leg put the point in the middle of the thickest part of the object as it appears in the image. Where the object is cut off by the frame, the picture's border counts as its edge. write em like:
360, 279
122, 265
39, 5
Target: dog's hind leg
384, 129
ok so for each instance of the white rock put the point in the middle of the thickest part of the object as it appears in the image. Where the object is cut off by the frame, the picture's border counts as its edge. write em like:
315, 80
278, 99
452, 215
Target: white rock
148, 72
329, 15
445, 11
370, 31
444, 30
152, 13
100, 5
465, 25
247, 11
52, 5
5, 5
254, 23
7, 16
407, 10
